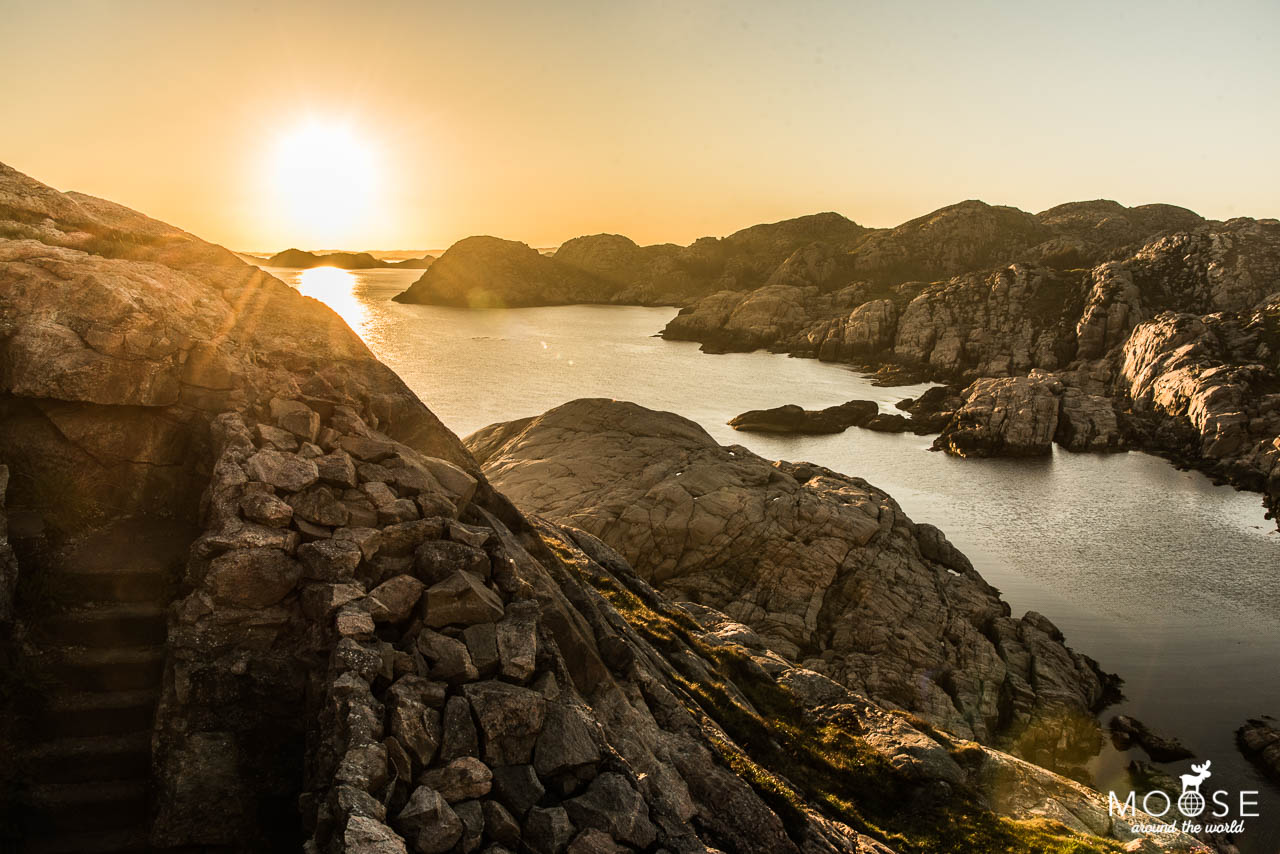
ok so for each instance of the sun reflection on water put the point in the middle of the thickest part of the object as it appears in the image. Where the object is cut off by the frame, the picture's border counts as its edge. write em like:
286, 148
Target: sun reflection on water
336, 289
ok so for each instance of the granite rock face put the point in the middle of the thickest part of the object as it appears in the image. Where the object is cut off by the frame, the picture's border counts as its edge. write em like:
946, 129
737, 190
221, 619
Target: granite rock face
827, 570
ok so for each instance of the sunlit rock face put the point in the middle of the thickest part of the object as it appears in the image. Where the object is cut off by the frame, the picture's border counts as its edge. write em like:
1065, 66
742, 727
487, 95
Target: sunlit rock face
120, 335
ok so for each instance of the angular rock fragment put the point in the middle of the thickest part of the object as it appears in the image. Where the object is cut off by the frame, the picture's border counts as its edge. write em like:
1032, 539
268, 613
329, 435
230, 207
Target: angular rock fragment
266, 509
428, 823
394, 599
319, 506
461, 599
509, 719
337, 469
613, 805
283, 471
329, 559
252, 578
461, 779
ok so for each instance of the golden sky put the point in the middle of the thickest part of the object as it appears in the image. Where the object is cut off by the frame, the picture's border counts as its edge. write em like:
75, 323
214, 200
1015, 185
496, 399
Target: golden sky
263, 125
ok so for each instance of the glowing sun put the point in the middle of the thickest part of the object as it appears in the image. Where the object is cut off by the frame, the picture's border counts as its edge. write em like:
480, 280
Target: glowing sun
326, 180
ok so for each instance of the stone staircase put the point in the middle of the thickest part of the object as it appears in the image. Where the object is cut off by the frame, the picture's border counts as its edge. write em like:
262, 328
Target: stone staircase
102, 645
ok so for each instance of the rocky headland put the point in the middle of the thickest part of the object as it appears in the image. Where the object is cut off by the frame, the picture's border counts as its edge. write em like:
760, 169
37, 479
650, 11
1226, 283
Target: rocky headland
255, 597
826, 570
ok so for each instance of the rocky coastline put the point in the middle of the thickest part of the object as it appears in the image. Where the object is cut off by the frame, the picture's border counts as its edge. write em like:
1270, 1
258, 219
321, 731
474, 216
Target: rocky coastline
1157, 330
1169, 346
256, 597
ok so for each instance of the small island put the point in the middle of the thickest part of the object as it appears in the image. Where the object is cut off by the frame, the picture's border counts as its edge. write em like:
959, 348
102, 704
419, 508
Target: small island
300, 259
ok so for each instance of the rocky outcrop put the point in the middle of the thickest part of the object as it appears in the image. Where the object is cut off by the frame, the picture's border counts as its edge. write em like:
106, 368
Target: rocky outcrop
365, 647
796, 419
1206, 388
1259, 739
1088, 422
1006, 417
1127, 732
1086, 232
826, 569
121, 339
110, 366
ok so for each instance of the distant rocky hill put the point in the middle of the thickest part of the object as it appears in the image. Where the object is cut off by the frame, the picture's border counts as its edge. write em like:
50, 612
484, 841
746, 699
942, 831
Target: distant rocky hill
610, 268
300, 259
824, 250
255, 597
486, 272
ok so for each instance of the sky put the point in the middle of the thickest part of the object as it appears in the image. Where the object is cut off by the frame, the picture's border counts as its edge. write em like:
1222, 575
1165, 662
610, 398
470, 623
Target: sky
383, 125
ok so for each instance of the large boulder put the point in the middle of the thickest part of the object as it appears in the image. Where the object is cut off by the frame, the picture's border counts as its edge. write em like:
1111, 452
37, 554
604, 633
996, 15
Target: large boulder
827, 569
1005, 417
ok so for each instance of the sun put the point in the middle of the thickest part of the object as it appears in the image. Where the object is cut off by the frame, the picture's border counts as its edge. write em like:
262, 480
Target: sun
326, 178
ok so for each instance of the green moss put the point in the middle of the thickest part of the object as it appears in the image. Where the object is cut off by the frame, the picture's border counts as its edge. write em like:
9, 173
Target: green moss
796, 762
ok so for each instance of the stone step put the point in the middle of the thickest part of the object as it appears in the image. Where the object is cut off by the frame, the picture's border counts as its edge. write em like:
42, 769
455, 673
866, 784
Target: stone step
65, 808
73, 586
130, 560
129, 624
91, 842
95, 758
112, 669
90, 713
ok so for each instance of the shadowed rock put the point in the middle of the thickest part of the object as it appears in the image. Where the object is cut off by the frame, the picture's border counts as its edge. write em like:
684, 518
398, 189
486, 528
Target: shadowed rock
795, 419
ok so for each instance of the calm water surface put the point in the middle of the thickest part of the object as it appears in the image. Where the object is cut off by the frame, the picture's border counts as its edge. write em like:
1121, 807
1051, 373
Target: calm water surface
1164, 578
